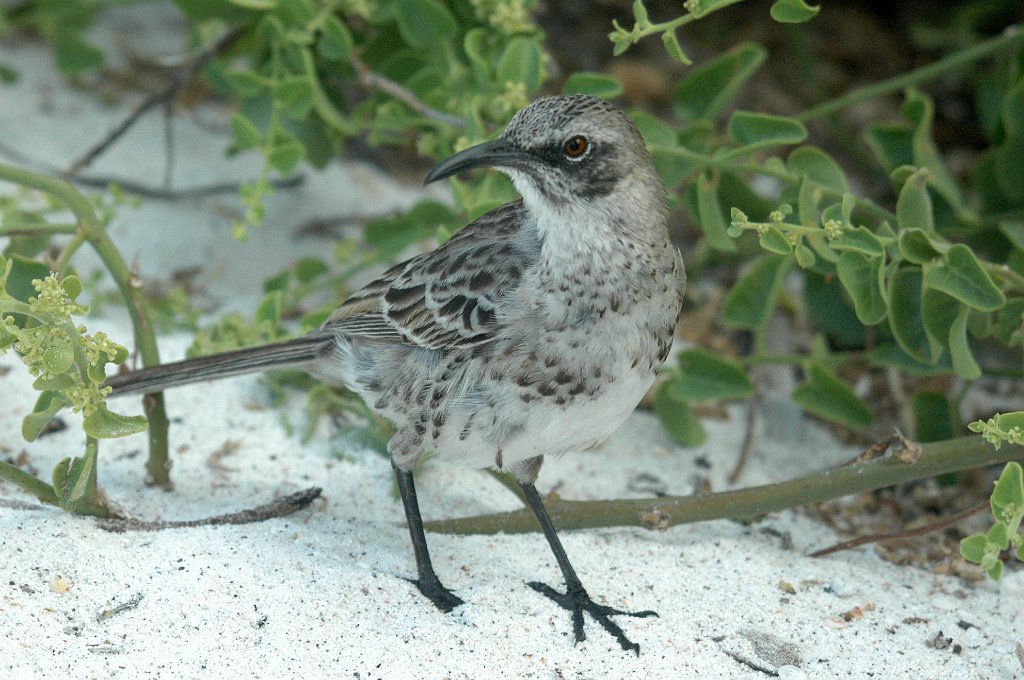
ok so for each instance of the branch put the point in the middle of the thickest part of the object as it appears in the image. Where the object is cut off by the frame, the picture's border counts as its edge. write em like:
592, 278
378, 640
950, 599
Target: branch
940, 523
279, 507
936, 459
376, 81
200, 191
167, 94
748, 440
957, 60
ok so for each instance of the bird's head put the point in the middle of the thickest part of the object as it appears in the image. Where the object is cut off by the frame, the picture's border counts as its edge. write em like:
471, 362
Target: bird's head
566, 151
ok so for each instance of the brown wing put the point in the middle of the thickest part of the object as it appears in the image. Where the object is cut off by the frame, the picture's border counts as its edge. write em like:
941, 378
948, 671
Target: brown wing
445, 298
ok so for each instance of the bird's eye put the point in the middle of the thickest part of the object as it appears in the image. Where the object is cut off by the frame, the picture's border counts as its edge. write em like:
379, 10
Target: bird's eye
575, 147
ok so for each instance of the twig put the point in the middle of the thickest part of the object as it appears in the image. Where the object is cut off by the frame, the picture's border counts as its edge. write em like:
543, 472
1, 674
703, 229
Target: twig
15, 504
908, 451
940, 523
376, 81
279, 507
168, 145
737, 657
137, 188
937, 458
955, 61
748, 440
155, 99
119, 609
146, 191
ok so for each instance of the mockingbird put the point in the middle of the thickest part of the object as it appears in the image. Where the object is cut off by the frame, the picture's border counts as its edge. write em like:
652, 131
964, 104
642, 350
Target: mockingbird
534, 331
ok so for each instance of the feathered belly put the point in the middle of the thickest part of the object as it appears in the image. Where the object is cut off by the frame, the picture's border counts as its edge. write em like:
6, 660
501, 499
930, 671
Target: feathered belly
523, 422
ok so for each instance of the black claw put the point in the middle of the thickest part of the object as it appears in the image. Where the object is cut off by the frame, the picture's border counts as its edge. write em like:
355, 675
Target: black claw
443, 599
579, 601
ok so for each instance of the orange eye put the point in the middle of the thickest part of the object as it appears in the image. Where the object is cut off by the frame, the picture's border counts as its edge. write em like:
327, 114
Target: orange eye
575, 147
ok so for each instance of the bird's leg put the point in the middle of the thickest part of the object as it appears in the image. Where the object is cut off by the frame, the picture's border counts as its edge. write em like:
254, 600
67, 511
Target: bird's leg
575, 599
427, 582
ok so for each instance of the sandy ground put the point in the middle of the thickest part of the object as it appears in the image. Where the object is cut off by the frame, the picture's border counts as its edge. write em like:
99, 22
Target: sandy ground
320, 593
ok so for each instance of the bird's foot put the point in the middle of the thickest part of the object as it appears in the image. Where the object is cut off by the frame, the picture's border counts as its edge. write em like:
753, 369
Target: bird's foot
578, 601
434, 590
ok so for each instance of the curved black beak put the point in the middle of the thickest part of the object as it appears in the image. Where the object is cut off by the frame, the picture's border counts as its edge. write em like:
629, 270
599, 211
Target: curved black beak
496, 153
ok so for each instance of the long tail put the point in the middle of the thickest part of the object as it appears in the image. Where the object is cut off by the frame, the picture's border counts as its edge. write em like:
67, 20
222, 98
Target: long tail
253, 359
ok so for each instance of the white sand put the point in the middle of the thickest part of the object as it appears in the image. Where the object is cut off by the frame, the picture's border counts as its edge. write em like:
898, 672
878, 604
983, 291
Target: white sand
318, 594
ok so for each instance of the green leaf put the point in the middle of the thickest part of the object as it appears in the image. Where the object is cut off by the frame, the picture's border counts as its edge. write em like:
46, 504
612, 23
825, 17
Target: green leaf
594, 84
640, 13
995, 572
914, 205
314, 320
1006, 158
709, 88
759, 130
521, 62
1008, 421
710, 214
255, 4
804, 256
71, 480
309, 268
830, 310
475, 45
1014, 232
72, 286
905, 316
860, 240
73, 54
286, 155
1009, 320
1008, 495
774, 241
891, 144
828, 397
920, 110
269, 309
998, 536
246, 83
938, 312
678, 418
705, 376
295, 95
818, 166
793, 11
425, 23
47, 405
221, 10
964, 364
862, 278
671, 42
335, 40
917, 246
105, 424
56, 383
393, 235
962, 277
59, 354
245, 132
892, 356
973, 548
750, 302
23, 272
934, 417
